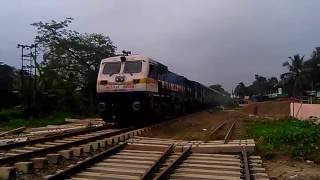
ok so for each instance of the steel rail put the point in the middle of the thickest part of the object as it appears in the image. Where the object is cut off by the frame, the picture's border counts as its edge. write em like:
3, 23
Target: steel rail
17, 130
226, 138
15, 158
165, 172
86, 163
218, 127
51, 138
148, 174
245, 164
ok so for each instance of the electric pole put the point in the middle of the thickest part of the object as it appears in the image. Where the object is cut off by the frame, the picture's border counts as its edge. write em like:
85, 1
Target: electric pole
28, 76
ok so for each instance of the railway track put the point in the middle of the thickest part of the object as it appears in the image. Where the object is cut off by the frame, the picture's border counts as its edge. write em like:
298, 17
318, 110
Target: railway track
121, 154
22, 134
229, 124
33, 161
28, 150
53, 137
151, 158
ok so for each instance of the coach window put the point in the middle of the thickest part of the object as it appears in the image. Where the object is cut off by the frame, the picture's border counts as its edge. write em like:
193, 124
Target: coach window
111, 68
132, 67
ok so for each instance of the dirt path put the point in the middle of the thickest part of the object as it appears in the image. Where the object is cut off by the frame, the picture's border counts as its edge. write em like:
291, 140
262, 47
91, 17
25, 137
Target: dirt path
286, 168
198, 126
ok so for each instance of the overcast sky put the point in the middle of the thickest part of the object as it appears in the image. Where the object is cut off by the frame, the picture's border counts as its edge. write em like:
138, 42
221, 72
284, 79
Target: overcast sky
211, 41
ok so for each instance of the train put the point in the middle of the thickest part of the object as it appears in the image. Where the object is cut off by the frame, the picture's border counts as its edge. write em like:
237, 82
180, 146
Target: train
135, 90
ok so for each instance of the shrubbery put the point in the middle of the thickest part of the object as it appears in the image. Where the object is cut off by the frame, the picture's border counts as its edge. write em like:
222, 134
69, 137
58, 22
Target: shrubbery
297, 137
7, 114
55, 119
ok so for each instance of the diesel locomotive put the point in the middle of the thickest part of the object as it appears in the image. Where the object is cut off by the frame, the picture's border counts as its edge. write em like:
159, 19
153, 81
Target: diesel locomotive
135, 89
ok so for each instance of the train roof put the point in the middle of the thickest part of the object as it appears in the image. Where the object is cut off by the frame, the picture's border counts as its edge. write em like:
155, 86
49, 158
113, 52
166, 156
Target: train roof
132, 57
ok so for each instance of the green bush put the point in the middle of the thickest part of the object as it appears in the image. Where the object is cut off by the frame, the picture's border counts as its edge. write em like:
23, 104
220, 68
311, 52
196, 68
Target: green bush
56, 119
7, 114
297, 137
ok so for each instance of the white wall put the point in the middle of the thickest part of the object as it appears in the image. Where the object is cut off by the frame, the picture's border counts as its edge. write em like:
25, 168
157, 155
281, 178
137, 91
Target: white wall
304, 111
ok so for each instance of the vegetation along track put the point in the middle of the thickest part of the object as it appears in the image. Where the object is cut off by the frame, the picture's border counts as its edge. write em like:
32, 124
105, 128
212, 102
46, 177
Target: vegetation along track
152, 158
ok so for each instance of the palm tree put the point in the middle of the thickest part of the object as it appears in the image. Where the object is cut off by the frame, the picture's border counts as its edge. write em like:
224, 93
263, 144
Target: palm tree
297, 78
240, 90
313, 67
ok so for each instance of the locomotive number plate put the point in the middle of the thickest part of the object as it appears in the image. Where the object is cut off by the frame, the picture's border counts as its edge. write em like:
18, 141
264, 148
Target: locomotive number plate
127, 86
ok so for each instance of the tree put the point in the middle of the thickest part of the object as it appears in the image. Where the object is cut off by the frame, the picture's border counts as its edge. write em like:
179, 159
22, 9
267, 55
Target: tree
259, 86
241, 90
297, 78
313, 67
71, 60
218, 87
8, 77
272, 82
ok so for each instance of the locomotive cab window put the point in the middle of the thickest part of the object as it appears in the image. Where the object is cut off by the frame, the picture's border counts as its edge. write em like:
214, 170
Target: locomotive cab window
132, 67
111, 68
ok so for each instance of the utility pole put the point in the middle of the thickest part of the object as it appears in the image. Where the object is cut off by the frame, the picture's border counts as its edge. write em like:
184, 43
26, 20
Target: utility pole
28, 75
22, 65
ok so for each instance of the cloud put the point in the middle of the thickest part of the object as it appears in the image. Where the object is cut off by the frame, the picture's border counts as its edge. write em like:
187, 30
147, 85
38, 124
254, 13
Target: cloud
211, 41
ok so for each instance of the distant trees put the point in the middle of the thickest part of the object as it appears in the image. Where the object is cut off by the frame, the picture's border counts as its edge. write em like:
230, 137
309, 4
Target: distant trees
8, 76
241, 90
297, 77
70, 64
260, 86
218, 87
303, 75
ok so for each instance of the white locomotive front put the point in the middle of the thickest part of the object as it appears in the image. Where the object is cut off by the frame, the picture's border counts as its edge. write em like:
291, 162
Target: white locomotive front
126, 74
125, 88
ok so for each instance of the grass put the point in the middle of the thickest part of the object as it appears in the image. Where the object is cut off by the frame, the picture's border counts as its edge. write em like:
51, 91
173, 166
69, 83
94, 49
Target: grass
56, 119
287, 136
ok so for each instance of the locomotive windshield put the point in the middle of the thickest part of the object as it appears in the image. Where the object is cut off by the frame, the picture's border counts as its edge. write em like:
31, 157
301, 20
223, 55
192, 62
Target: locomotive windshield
132, 67
111, 68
